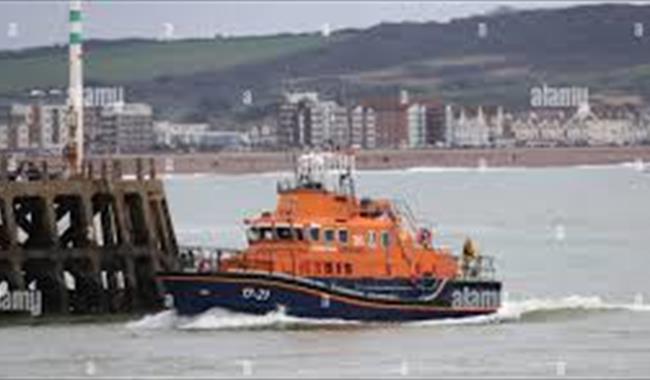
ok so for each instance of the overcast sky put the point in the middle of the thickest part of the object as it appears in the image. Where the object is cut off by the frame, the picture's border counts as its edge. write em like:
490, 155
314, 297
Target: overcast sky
36, 23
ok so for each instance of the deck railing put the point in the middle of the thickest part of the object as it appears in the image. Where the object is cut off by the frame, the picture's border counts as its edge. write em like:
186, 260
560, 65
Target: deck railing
479, 268
208, 259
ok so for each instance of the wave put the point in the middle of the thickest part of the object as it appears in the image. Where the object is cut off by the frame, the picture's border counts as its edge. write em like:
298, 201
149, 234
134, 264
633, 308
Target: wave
539, 309
218, 319
511, 312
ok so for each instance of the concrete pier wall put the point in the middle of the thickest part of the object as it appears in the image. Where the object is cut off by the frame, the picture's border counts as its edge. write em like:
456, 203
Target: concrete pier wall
89, 244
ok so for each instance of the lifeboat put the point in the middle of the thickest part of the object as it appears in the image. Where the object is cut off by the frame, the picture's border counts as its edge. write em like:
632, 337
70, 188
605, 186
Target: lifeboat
326, 253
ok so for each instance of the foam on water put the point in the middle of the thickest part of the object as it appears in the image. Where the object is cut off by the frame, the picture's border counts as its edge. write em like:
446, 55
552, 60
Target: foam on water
217, 319
511, 311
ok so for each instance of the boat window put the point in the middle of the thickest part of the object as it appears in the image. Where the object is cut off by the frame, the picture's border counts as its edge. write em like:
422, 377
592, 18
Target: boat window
283, 233
385, 239
253, 234
314, 233
343, 236
329, 268
266, 233
329, 236
298, 233
372, 239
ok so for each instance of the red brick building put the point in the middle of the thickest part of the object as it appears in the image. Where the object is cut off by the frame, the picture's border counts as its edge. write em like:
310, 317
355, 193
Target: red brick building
391, 120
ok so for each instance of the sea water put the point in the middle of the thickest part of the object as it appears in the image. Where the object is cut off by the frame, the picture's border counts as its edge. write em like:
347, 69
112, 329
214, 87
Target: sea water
571, 244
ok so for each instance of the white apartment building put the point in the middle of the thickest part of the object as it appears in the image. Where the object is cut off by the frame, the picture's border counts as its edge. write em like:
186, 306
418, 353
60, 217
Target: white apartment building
584, 126
175, 134
416, 120
468, 130
329, 124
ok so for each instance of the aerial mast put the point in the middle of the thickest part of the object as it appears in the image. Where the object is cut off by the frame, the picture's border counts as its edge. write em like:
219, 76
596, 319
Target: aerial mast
74, 150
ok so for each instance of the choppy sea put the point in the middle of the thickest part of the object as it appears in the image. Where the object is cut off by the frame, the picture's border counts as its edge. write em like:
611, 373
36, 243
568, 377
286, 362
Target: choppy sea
572, 246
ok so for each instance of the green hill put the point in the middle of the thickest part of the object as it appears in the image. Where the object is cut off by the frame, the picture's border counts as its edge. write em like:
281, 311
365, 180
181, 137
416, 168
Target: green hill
131, 61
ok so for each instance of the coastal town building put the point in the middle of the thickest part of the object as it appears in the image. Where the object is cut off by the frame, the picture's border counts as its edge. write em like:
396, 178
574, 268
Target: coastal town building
400, 122
33, 126
262, 136
585, 125
426, 124
108, 129
295, 119
391, 121
330, 125
416, 114
127, 128
177, 135
307, 121
193, 137
363, 127
475, 126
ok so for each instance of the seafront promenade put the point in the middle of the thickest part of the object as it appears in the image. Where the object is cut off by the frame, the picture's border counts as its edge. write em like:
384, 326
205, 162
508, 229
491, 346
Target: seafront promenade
264, 162
260, 162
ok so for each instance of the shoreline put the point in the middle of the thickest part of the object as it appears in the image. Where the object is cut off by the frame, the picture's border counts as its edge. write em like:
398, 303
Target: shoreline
270, 162
255, 162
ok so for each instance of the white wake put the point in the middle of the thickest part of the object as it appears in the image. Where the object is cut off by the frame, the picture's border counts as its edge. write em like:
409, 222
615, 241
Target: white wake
510, 312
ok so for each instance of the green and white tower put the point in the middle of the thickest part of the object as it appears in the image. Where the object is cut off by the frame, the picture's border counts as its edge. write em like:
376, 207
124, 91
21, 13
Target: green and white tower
75, 151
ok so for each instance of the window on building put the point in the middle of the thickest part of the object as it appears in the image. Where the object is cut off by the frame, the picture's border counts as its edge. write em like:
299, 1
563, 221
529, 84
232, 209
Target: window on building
298, 233
343, 236
348, 269
266, 233
329, 268
314, 234
284, 233
329, 236
253, 234
339, 270
385, 239
372, 239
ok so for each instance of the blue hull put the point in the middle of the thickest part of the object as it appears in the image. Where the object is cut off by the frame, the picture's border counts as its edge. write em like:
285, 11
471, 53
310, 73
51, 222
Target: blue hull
361, 300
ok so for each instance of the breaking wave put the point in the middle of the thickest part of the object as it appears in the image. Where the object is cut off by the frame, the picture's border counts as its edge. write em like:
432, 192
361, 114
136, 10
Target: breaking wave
535, 309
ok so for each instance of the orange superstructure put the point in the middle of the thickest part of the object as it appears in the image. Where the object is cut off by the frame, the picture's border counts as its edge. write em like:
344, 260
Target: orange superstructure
321, 231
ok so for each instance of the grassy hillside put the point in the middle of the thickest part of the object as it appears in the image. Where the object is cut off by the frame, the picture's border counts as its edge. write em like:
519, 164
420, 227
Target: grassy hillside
142, 61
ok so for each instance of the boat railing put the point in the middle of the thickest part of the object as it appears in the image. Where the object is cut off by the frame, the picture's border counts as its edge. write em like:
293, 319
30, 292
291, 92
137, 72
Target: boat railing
207, 259
478, 269
413, 222
194, 258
